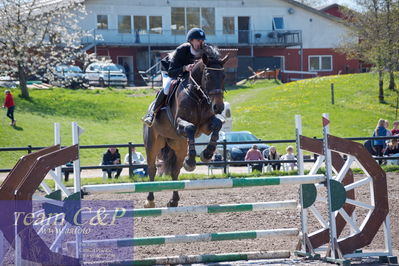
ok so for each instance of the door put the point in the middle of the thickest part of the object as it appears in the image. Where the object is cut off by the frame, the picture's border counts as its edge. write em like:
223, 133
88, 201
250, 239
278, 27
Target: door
243, 29
127, 63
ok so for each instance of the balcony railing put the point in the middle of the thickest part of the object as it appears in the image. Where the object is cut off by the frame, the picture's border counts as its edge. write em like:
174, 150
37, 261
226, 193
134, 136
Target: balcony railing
279, 38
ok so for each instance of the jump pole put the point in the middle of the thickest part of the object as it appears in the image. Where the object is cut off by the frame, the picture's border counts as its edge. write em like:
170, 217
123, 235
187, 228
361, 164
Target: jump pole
331, 214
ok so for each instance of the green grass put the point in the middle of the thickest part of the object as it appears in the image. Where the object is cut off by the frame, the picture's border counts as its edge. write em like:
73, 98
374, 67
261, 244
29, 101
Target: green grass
265, 108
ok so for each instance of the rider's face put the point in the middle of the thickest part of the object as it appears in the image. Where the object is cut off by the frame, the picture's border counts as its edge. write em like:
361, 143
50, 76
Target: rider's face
197, 44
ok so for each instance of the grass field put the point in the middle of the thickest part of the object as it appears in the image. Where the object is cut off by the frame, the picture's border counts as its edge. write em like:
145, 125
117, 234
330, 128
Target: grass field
265, 108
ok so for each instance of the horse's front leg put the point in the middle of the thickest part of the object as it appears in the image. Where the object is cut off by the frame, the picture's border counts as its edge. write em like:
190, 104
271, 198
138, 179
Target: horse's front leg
188, 130
214, 126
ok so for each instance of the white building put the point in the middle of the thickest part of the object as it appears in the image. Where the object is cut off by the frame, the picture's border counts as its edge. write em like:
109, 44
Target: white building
267, 33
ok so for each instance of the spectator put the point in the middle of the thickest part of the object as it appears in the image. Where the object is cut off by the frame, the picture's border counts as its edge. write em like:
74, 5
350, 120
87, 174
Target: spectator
9, 104
254, 154
273, 156
395, 129
137, 158
386, 125
112, 157
289, 156
68, 171
392, 151
379, 144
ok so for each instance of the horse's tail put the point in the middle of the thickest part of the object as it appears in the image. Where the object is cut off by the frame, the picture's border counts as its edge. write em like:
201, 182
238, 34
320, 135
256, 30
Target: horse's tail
168, 156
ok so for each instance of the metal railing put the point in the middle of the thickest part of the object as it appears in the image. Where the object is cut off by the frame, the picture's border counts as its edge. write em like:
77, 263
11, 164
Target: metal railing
221, 145
130, 37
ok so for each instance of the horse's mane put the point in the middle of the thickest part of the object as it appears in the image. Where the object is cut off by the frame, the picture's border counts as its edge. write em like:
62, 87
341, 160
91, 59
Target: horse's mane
211, 51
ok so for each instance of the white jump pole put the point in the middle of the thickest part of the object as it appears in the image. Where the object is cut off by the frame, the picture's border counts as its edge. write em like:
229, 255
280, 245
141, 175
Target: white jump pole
328, 161
57, 141
301, 171
77, 186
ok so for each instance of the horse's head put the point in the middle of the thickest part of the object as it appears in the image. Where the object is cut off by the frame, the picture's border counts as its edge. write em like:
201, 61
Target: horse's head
212, 80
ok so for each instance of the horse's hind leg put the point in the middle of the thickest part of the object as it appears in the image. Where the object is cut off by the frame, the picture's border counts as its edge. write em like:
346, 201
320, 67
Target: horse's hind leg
180, 152
215, 125
153, 146
188, 130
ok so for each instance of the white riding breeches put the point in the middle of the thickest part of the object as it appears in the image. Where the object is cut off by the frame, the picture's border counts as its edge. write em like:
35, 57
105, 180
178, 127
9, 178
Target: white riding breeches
166, 81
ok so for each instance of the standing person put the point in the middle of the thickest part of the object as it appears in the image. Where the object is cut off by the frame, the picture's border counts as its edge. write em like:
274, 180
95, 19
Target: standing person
379, 144
254, 154
395, 129
9, 104
112, 157
177, 64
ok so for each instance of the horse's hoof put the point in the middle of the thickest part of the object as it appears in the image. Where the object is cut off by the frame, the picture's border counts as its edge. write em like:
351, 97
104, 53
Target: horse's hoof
149, 204
172, 203
189, 166
204, 158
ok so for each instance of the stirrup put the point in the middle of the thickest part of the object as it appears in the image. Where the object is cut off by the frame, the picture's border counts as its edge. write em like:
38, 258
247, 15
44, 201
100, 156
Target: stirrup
149, 119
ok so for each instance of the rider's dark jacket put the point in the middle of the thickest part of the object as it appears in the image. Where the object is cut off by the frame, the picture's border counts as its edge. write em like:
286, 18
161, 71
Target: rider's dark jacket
181, 57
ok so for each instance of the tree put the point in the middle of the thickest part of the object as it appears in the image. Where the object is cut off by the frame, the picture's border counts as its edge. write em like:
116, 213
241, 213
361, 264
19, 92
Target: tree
36, 35
377, 30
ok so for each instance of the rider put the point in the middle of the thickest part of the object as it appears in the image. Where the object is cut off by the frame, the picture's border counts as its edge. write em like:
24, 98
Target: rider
180, 62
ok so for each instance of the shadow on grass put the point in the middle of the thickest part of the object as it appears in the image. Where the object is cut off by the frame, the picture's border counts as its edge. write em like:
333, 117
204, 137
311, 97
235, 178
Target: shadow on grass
18, 128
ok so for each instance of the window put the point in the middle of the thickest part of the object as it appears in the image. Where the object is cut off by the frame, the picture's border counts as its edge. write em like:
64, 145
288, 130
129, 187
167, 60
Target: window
228, 25
278, 23
178, 20
102, 22
140, 24
193, 17
320, 63
156, 24
184, 19
208, 20
124, 24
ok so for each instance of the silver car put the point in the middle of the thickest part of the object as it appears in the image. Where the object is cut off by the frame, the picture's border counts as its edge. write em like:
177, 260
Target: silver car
105, 74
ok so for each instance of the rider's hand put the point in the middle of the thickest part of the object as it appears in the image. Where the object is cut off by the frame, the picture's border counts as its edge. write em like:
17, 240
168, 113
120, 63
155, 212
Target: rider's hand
189, 67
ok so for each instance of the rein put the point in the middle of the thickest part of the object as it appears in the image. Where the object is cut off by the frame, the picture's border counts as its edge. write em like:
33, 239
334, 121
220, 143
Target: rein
212, 92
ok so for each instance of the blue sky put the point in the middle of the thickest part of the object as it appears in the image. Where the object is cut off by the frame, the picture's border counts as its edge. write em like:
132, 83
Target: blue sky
350, 3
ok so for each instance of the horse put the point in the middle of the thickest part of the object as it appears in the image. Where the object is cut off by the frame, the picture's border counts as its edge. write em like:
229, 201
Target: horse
191, 112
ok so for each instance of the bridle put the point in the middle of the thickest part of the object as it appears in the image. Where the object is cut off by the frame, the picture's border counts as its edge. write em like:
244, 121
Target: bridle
212, 92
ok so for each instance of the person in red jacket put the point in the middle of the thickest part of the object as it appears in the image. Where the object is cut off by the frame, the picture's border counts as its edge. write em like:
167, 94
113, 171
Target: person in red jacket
9, 104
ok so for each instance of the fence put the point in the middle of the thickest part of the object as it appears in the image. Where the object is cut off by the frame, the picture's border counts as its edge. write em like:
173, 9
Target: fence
226, 163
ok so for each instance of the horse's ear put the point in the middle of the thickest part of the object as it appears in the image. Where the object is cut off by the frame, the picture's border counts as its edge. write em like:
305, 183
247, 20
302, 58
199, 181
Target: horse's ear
225, 59
205, 59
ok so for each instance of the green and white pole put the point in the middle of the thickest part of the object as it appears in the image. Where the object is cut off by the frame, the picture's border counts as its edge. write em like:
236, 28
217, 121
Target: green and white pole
244, 207
190, 259
204, 184
190, 238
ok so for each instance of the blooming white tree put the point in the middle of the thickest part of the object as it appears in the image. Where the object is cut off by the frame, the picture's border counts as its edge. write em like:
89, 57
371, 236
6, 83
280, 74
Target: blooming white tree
37, 35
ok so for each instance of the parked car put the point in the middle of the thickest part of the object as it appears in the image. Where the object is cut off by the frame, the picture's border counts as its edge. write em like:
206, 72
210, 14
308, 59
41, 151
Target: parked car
70, 76
237, 152
105, 74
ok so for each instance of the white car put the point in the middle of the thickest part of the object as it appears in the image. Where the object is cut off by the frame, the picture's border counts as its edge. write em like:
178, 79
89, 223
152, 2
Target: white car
105, 74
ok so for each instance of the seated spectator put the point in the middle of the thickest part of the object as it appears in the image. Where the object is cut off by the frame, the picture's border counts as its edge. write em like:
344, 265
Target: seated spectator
289, 156
112, 157
395, 129
137, 158
254, 154
392, 151
273, 156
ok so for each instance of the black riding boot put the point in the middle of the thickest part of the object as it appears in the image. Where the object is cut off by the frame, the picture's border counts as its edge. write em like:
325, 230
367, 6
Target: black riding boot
159, 102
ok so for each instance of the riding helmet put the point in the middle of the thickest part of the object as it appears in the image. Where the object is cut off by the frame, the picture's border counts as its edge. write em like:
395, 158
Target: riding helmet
195, 33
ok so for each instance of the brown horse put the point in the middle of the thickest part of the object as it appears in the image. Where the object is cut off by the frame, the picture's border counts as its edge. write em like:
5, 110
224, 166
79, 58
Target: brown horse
193, 107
